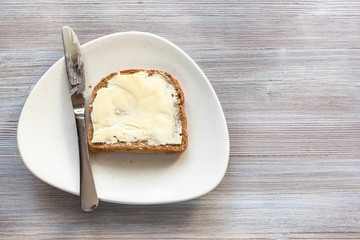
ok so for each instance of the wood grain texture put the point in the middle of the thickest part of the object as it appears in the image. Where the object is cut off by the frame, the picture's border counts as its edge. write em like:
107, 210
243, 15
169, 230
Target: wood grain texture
287, 75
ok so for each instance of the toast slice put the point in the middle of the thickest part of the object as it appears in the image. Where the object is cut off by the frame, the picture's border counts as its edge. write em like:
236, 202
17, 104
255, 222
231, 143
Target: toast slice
141, 145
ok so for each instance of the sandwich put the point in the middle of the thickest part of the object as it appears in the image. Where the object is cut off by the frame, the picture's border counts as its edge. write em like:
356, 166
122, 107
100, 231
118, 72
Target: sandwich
137, 110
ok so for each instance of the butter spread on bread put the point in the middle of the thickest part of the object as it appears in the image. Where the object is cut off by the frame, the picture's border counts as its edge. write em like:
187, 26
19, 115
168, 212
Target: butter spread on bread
137, 110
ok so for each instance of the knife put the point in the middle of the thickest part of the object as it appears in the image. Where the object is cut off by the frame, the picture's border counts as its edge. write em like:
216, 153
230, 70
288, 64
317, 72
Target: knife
76, 78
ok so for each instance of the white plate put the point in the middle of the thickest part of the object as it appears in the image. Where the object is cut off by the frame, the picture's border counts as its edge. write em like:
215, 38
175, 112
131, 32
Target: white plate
47, 134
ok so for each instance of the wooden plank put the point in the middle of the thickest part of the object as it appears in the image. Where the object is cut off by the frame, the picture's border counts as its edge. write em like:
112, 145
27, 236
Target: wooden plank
350, 236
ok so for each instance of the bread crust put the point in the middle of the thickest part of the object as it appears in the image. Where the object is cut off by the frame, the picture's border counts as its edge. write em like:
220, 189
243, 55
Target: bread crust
140, 146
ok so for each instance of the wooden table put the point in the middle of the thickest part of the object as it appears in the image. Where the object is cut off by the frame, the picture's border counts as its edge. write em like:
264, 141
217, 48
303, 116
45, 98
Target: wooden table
287, 75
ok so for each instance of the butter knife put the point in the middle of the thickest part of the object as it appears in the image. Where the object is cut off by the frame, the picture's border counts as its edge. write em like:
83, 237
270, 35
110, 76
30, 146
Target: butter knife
76, 78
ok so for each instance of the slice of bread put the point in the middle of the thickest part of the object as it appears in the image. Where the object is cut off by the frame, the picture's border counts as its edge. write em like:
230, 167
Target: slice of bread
140, 146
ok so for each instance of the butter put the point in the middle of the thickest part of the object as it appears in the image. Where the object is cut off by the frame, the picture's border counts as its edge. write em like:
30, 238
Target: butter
136, 107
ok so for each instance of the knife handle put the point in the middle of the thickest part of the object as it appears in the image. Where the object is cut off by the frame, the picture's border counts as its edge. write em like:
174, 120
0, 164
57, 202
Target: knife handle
88, 195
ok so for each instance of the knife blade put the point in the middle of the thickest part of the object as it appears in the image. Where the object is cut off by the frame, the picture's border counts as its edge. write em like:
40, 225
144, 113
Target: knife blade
76, 79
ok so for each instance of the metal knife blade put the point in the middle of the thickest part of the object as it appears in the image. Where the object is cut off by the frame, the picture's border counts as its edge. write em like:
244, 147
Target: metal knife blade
76, 78
74, 68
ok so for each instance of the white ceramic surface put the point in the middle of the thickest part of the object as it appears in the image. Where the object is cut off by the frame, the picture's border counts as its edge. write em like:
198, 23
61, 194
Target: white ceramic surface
47, 134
